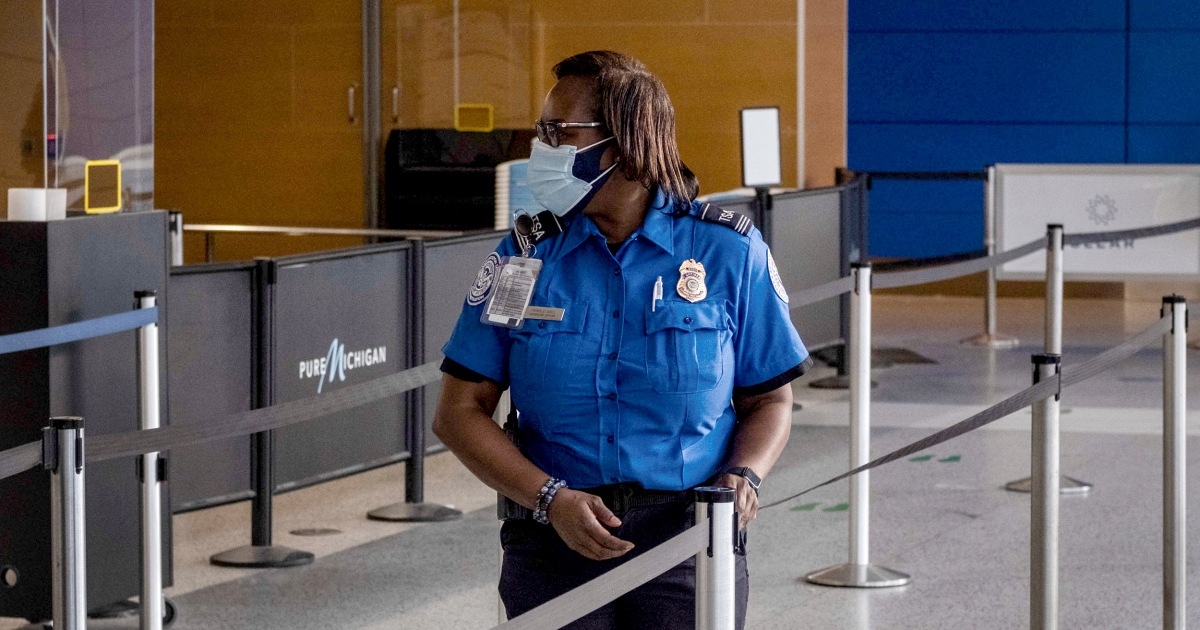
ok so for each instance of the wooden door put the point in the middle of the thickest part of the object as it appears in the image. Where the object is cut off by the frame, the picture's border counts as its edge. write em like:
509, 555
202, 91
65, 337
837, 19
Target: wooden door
259, 120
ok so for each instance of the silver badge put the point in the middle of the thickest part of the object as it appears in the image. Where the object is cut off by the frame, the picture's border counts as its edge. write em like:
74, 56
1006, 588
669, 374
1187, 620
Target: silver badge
483, 280
775, 279
691, 281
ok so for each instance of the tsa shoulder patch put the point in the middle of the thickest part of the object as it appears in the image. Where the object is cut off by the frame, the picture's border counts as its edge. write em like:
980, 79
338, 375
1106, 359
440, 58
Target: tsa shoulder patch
776, 281
735, 221
482, 287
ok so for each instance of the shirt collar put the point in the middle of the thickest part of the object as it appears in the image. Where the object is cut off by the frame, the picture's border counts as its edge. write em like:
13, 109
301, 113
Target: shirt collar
656, 227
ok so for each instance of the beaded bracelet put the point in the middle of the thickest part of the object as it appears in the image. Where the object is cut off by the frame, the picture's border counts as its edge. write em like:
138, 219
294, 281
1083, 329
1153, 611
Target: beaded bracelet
545, 496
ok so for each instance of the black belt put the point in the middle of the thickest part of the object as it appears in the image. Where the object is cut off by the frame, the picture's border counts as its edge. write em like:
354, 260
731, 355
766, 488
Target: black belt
622, 497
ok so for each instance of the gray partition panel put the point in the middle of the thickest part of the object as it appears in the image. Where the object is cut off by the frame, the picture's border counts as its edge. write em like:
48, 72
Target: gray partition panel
212, 359
450, 267
350, 307
805, 239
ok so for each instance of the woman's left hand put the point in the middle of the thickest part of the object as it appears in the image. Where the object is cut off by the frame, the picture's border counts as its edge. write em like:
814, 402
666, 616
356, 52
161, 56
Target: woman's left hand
746, 503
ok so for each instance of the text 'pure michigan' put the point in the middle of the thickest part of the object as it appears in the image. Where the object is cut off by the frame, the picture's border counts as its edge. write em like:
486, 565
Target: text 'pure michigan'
338, 361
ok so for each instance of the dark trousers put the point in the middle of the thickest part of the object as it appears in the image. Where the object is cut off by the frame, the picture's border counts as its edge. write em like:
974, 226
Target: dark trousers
538, 567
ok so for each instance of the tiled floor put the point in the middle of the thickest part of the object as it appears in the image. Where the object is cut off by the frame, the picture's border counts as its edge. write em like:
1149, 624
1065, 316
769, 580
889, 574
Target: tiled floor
943, 517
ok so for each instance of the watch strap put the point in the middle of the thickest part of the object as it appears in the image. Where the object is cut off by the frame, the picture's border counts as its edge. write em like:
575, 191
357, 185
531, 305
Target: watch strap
745, 472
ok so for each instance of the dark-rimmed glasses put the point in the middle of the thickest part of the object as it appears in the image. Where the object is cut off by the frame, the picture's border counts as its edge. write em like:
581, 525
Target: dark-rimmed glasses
548, 130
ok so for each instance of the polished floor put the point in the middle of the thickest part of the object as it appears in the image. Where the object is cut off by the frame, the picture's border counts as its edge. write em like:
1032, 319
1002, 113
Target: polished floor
941, 516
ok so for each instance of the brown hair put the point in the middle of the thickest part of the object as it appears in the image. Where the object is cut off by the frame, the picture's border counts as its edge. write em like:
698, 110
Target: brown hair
633, 104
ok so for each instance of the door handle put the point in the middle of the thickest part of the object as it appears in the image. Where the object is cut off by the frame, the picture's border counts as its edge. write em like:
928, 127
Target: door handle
395, 104
350, 100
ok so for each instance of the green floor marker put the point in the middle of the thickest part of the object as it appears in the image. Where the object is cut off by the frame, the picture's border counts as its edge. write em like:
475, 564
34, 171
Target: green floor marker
841, 507
807, 507
922, 458
950, 460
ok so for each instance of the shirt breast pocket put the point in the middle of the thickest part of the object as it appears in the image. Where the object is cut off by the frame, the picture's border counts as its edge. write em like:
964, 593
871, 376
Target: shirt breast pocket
684, 346
546, 354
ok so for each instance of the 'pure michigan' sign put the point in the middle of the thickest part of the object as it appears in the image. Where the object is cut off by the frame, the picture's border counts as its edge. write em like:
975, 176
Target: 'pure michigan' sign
338, 361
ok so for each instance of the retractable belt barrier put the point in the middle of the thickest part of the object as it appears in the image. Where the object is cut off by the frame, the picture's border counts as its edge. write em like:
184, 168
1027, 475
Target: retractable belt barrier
78, 331
107, 447
1049, 387
584, 599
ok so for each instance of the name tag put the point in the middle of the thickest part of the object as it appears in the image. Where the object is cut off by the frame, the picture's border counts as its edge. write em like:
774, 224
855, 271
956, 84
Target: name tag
547, 313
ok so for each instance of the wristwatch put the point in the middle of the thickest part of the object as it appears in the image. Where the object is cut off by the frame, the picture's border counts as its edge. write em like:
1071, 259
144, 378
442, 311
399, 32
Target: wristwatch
745, 472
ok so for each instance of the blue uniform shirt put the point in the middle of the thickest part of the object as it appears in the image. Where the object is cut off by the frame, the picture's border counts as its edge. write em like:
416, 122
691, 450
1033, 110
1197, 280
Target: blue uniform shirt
619, 391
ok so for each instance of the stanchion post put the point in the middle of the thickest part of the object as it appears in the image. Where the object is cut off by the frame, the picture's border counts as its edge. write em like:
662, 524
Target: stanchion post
1054, 289
715, 577
151, 470
62, 455
859, 572
1175, 465
414, 509
1043, 581
990, 338
1053, 342
261, 553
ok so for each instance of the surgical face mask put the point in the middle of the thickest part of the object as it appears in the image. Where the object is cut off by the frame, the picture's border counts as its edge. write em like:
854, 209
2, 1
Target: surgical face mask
563, 178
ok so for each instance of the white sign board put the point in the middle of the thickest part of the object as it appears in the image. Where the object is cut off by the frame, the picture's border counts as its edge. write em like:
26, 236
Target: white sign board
760, 147
1089, 198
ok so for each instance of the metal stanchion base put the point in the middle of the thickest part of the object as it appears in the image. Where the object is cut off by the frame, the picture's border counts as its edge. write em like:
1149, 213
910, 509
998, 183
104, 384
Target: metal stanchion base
129, 608
251, 557
858, 576
1066, 485
999, 342
415, 513
835, 382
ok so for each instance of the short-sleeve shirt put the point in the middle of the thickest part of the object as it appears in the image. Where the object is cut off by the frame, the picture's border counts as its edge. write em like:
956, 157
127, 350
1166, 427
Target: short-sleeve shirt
626, 388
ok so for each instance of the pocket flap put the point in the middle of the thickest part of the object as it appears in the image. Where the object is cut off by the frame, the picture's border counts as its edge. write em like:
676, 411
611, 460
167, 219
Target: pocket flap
685, 316
573, 319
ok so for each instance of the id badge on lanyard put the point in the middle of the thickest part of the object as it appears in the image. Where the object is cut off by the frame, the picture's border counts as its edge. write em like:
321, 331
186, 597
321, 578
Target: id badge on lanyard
512, 292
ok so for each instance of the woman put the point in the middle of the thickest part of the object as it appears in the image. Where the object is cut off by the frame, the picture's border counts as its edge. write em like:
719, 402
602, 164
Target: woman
655, 354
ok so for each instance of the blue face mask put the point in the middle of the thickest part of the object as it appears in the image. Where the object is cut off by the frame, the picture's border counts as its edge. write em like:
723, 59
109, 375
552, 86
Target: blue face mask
564, 178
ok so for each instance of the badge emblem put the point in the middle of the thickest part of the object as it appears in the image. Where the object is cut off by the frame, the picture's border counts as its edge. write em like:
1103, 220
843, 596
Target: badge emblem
776, 281
691, 281
483, 280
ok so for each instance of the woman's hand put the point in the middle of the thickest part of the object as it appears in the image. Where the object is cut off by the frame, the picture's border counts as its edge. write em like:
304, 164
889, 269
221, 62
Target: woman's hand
580, 520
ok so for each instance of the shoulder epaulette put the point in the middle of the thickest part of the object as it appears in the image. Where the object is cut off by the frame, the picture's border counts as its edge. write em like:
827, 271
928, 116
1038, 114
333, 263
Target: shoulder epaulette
735, 221
531, 230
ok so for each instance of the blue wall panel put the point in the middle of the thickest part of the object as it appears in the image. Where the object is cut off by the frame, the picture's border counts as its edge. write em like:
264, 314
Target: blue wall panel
929, 147
1168, 15
923, 235
1164, 71
957, 15
1164, 144
940, 85
994, 77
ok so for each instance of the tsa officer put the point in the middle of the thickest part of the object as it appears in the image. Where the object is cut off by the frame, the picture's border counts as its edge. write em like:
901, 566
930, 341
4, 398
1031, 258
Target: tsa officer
646, 341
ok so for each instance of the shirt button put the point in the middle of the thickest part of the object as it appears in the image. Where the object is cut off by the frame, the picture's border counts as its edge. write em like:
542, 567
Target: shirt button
612, 356
616, 314
612, 396
687, 320
611, 439
613, 479
616, 272
541, 324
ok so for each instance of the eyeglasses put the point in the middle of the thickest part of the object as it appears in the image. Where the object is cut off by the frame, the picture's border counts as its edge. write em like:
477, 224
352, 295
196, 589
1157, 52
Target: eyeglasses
548, 131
